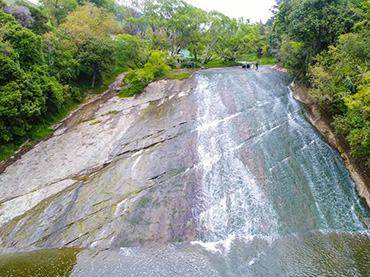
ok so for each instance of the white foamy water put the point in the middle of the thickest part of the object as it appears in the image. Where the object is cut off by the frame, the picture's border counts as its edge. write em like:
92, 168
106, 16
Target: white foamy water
230, 202
302, 184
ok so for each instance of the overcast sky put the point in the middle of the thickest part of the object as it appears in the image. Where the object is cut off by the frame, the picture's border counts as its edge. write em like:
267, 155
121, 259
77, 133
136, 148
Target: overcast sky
255, 10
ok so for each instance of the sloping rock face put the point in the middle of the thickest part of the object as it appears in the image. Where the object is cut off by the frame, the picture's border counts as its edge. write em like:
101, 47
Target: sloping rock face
124, 178
316, 117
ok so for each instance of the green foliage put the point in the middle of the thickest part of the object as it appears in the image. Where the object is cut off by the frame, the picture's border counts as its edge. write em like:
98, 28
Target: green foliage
307, 27
61, 62
96, 57
252, 57
40, 25
326, 44
174, 25
86, 42
239, 38
7, 151
179, 74
25, 43
2, 4
341, 85
294, 57
130, 51
138, 79
219, 63
30, 97
57, 10
355, 123
26, 90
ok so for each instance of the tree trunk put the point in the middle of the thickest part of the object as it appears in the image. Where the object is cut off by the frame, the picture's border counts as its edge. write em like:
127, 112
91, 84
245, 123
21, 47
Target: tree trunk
93, 79
209, 48
57, 12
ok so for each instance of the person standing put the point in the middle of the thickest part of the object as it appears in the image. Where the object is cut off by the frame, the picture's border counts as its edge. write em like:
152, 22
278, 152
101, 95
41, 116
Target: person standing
257, 63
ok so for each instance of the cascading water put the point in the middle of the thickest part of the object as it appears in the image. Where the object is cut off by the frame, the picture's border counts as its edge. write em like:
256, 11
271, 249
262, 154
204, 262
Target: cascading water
272, 198
269, 196
248, 127
230, 201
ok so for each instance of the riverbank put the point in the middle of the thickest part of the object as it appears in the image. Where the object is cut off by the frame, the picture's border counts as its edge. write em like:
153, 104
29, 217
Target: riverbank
323, 124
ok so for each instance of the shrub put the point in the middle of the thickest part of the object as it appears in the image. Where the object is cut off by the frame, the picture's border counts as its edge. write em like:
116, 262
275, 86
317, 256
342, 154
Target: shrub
138, 79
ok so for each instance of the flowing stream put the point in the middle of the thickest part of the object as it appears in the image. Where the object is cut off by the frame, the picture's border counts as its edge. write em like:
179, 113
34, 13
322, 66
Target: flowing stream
271, 197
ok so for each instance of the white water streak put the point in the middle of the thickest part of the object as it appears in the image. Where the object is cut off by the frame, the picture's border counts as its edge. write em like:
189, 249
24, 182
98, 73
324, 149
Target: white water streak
230, 202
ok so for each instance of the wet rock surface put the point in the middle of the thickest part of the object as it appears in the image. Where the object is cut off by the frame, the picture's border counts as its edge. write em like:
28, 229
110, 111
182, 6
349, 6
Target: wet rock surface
124, 180
322, 123
220, 175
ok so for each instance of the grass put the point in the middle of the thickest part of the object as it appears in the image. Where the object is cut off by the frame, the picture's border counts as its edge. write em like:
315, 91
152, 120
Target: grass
131, 91
41, 131
26, 145
86, 120
219, 63
7, 151
252, 57
96, 122
179, 74
110, 112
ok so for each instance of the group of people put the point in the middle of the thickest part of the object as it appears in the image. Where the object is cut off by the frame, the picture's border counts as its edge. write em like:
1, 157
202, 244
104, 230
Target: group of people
251, 65
188, 65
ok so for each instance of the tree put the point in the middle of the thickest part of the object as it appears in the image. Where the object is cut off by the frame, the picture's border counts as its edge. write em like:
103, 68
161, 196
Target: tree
96, 57
88, 22
60, 60
21, 14
155, 68
239, 38
40, 24
57, 10
131, 51
27, 92
315, 24
341, 86
89, 31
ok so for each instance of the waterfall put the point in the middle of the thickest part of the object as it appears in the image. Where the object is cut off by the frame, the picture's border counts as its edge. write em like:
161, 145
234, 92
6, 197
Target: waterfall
302, 184
230, 201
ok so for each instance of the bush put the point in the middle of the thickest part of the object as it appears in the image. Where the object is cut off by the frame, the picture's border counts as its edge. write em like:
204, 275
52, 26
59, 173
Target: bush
138, 79
341, 85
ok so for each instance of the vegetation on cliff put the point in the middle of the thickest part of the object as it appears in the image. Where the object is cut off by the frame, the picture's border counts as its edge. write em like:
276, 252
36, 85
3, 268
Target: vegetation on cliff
46, 67
325, 44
